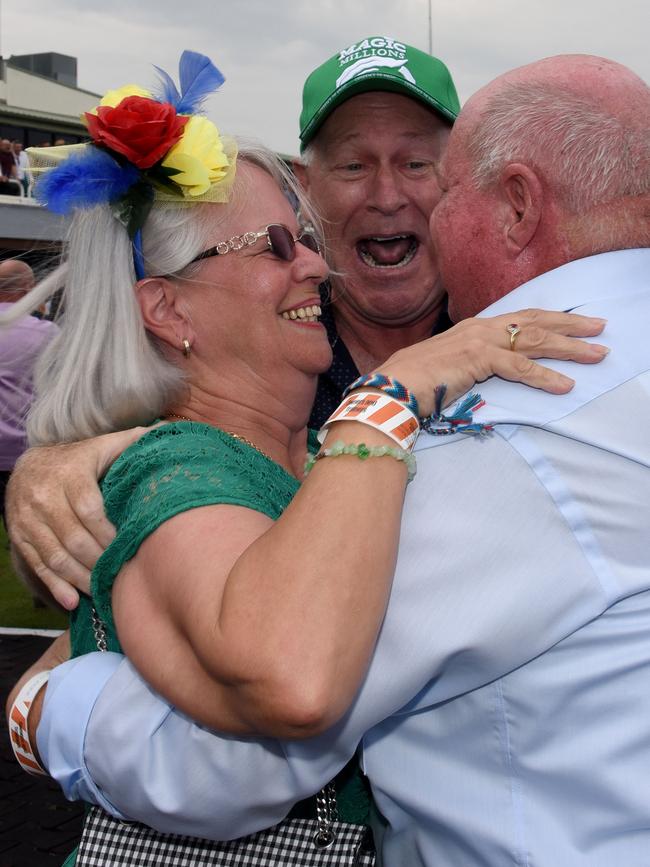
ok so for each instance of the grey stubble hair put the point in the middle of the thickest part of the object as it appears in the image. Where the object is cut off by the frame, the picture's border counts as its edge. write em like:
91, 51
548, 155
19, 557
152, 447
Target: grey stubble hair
592, 157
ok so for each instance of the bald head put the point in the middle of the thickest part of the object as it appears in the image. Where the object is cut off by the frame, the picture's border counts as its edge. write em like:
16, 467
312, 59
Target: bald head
582, 121
16, 278
548, 163
605, 82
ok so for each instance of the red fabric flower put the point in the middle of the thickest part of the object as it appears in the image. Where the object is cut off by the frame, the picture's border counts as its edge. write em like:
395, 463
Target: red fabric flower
141, 129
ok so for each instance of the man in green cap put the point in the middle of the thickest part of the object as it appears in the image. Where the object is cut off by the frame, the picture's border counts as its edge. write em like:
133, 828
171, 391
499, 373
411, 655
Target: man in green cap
375, 120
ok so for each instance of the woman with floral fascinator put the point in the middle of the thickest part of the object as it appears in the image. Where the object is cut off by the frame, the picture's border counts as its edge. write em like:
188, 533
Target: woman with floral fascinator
253, 560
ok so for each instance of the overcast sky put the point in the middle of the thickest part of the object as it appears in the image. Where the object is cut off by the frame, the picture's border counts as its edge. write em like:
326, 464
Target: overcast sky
266, 48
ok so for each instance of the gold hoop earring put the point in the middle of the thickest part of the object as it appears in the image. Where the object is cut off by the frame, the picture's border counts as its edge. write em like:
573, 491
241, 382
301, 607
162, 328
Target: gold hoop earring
187, 347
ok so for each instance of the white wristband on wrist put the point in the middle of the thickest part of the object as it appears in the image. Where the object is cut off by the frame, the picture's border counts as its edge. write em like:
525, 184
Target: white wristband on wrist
18, 730
380, 411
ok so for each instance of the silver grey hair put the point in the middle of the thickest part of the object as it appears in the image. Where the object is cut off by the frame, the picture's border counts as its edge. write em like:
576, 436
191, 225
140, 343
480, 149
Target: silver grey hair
307, 156
104, 371
595, 158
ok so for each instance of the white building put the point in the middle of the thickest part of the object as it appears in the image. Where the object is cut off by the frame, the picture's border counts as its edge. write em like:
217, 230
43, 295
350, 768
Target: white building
37, 108
39, 104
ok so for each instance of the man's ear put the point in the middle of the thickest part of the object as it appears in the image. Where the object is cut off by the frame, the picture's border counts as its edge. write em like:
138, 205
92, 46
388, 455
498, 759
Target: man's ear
522, 196
302, 174
164, 312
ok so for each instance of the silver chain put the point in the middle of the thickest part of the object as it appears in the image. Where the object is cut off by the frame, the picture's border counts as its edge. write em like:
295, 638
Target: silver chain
100, 633
326, 814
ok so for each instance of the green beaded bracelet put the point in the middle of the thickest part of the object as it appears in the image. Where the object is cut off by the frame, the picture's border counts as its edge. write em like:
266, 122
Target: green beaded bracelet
363, 452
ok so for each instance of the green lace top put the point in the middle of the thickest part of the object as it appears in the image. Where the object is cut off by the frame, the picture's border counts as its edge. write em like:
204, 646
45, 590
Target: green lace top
171, 469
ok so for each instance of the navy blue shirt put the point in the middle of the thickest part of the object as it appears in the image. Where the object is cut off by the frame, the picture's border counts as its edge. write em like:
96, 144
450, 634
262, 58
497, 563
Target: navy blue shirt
343, 371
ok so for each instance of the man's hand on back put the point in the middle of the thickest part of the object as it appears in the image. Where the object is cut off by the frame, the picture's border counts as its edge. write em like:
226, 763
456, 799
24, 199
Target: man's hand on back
55, 513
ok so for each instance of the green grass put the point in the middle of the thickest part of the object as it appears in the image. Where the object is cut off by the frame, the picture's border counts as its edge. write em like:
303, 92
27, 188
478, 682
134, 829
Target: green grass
16, 605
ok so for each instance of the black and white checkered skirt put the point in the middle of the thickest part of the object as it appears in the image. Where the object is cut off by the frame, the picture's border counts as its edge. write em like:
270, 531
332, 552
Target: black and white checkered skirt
293, 843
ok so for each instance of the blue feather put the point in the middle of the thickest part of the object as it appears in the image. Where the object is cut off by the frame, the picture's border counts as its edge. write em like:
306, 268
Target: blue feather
199, 77
168, 91
85, 180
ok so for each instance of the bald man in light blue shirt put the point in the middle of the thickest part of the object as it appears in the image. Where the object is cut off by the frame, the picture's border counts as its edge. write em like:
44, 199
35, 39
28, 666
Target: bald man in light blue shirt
505, 717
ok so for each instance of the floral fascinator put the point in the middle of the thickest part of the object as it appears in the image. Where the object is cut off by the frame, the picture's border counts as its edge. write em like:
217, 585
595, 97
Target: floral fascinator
144, 146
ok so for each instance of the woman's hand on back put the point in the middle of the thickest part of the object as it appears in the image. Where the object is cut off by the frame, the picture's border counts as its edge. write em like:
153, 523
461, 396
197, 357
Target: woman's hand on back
476, 349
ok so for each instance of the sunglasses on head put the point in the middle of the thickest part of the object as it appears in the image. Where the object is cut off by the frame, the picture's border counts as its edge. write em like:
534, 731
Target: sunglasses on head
279, 239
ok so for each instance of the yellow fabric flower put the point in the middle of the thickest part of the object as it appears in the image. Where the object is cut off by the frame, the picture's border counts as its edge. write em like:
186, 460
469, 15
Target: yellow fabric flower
115, 97
198, 157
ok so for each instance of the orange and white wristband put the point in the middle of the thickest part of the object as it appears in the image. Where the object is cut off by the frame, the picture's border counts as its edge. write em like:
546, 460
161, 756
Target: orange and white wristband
18, 731
380, 411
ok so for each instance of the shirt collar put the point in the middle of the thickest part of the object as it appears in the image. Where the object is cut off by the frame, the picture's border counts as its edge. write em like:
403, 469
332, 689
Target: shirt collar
580, 282
594, 286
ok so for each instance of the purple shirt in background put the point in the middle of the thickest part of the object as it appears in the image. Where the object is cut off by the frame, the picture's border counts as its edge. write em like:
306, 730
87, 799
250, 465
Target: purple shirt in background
20, 345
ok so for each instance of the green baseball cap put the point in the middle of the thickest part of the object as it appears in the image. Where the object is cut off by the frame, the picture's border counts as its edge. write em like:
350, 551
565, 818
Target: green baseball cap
376, 63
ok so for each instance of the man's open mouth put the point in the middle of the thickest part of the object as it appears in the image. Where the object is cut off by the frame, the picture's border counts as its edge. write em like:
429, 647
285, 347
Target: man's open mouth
394, 251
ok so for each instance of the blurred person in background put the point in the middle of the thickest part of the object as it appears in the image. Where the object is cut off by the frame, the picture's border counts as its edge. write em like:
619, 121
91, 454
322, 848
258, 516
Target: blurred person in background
20, 346
9, 185
22, 164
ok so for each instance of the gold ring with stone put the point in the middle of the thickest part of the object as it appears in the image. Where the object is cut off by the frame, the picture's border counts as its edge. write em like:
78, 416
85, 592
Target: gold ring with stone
513, 330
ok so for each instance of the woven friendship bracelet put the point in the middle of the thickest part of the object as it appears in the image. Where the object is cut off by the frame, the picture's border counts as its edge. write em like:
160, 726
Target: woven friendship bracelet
380, 411
460, 420
363, 452
389, 386
18, 731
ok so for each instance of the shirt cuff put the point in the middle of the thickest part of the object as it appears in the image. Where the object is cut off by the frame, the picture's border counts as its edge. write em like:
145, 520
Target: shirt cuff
72, 691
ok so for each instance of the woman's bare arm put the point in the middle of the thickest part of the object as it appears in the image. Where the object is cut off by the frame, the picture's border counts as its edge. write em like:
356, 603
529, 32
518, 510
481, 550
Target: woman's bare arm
254, 626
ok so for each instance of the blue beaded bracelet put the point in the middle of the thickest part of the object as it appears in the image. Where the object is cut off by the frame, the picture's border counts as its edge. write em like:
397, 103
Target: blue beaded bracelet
363, 452
389, 386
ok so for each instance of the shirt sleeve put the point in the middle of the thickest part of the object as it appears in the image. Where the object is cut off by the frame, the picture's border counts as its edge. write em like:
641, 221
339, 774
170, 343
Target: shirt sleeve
109, 739
71, 693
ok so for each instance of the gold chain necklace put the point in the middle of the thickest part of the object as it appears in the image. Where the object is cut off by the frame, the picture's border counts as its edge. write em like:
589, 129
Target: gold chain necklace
171, 415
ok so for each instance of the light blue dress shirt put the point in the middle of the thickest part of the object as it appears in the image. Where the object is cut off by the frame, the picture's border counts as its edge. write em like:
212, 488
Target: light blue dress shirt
505, 716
